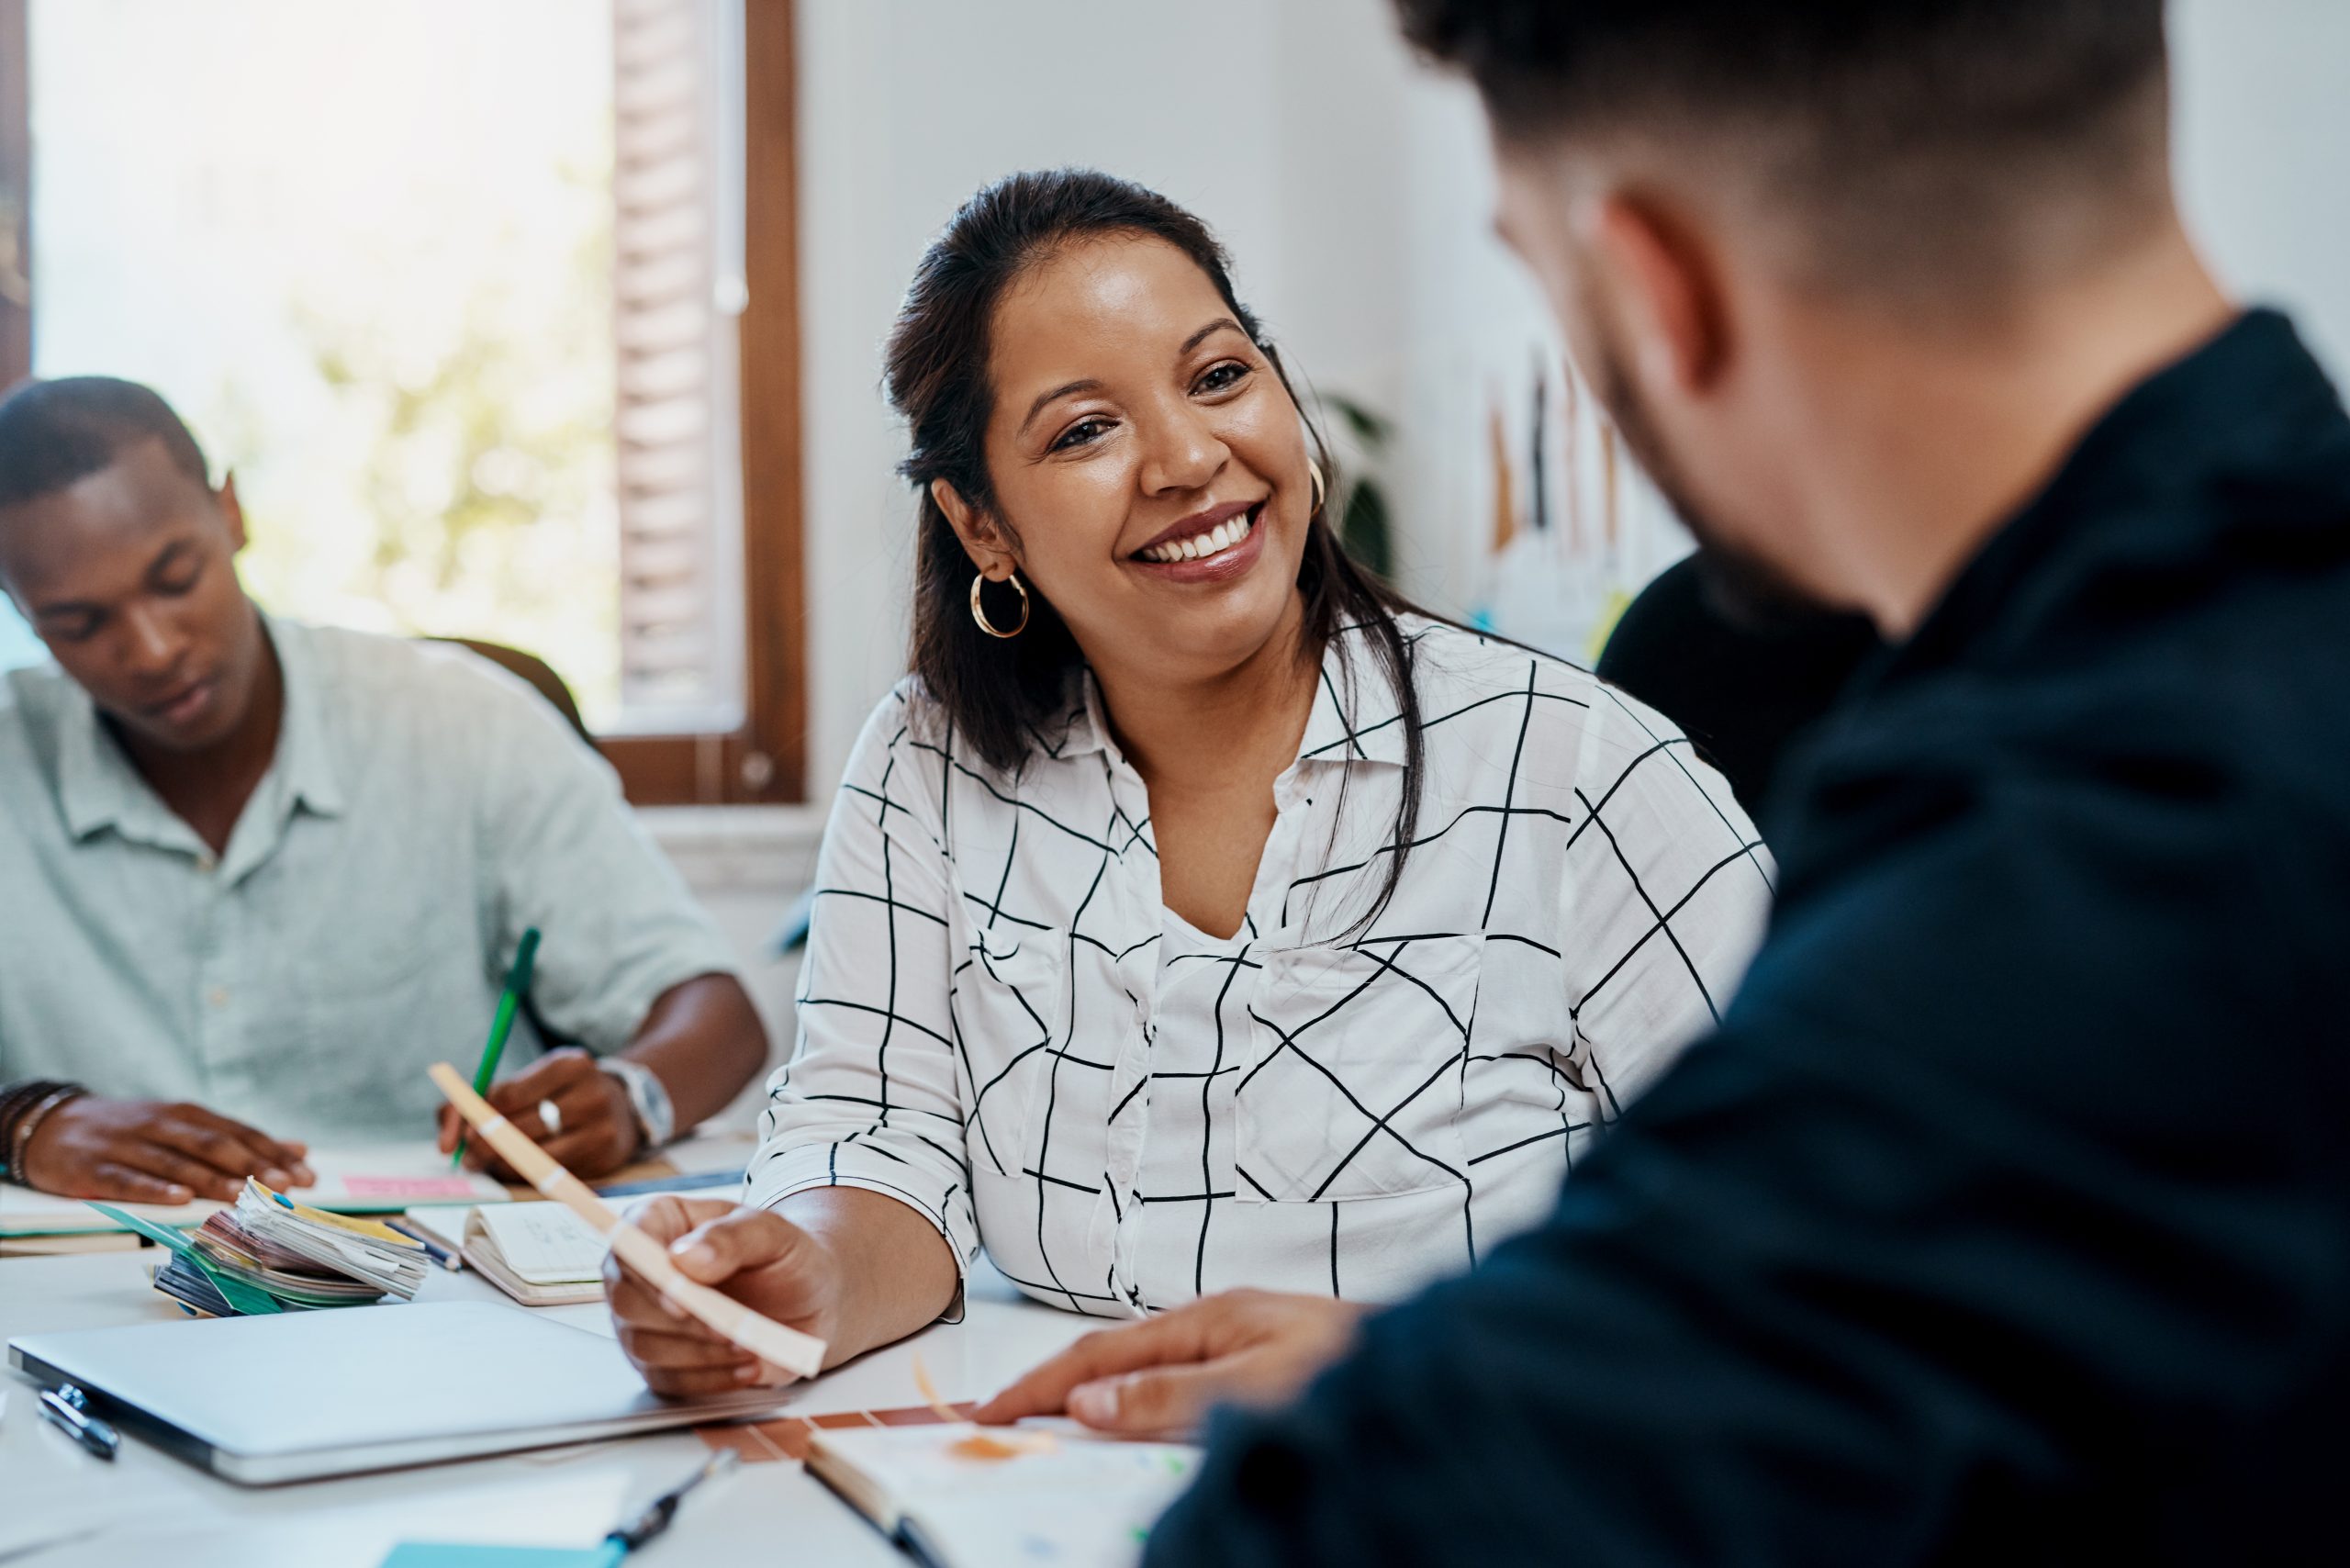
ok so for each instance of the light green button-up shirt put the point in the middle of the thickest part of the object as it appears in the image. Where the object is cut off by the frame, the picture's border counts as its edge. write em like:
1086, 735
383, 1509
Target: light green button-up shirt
423, 809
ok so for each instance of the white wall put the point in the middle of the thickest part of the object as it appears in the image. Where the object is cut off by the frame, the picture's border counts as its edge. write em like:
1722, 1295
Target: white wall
2263, 127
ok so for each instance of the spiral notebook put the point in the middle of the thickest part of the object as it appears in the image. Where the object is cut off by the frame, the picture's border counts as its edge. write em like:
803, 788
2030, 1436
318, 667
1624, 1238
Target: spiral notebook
541, 1254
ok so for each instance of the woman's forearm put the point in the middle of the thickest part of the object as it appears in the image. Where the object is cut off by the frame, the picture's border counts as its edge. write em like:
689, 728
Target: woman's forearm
897, 1274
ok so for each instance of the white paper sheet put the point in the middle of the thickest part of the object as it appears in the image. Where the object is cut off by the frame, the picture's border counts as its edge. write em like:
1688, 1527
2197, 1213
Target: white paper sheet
1087, 1500
546, 1243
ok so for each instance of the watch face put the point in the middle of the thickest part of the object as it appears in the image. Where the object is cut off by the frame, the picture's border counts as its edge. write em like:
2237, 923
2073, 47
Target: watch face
648, 1098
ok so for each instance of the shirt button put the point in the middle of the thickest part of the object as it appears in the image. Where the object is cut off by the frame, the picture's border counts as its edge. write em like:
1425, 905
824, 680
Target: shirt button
206, 862
217, 996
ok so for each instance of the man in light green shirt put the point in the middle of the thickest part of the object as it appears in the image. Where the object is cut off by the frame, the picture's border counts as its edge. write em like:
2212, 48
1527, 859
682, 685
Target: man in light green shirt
256, 876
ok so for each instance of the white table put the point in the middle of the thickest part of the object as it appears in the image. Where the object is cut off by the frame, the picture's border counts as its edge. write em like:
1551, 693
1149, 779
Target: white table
145, 1506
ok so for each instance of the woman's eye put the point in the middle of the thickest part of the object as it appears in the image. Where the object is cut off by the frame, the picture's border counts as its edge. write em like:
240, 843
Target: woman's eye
1219, 377
1082, 434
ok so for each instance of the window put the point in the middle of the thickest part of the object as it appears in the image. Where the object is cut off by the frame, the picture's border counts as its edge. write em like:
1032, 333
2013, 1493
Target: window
489, 309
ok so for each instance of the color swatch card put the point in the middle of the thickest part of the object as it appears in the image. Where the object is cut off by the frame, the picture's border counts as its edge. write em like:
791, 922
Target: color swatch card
353, 1179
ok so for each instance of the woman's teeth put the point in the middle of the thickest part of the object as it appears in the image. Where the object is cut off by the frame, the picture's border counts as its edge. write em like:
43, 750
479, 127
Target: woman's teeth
1223, 536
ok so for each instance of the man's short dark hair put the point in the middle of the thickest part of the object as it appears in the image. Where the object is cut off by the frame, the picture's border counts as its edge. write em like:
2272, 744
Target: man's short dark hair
55, 433
1905, 127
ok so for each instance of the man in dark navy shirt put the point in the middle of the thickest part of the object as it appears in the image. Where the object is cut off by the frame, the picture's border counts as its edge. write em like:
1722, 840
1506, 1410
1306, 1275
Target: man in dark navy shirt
2008, 1216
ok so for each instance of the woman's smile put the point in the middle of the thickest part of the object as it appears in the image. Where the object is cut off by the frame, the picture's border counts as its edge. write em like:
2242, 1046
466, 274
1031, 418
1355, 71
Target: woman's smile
1215, 545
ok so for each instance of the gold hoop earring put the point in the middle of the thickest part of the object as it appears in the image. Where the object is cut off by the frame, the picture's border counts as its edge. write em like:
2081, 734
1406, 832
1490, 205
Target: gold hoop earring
979, 611
1314, 473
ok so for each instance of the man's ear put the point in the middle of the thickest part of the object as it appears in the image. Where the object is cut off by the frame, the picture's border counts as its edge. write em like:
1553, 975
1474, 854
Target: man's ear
984, 541
232, 511
1674, 307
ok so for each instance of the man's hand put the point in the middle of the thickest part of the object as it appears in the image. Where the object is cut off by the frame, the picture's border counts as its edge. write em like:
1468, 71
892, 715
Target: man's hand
154, 1151
1158, 1378
598, 1127
757, 1257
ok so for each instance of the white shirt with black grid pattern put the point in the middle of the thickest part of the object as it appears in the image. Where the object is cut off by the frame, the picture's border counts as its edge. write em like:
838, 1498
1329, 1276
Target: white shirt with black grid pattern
988, 1030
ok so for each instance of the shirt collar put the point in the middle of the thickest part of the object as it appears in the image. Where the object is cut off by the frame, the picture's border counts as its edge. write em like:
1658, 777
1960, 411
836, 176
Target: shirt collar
303, 754
98, 787
1355, 719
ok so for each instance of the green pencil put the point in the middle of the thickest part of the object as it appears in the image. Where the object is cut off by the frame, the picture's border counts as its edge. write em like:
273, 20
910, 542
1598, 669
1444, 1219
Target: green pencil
518, 985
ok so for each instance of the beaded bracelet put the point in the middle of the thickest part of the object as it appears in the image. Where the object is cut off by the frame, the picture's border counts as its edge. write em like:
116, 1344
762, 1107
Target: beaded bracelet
20, 1137
16, 1100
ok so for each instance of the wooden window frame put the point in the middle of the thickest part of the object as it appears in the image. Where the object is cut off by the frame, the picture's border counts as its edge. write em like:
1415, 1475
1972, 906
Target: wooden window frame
765, 760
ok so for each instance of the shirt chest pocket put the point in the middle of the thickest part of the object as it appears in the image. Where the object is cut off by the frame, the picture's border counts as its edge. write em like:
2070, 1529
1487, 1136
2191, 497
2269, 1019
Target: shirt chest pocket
1009, 1006
1355, 1079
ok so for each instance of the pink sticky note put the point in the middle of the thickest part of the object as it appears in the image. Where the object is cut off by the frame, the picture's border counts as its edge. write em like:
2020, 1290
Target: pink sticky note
408, 1186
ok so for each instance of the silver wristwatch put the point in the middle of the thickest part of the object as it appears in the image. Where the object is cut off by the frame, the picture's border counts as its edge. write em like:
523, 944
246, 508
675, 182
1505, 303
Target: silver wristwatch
657, 1119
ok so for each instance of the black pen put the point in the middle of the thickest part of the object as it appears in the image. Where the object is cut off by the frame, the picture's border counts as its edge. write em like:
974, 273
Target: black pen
63, 1406
662, 1509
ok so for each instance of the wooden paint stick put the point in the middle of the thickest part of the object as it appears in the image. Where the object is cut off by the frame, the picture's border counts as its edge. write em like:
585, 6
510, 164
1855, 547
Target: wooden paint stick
765, 1337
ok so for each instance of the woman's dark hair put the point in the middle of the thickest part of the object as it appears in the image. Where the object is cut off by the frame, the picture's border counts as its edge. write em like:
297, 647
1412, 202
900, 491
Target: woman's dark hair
998, 694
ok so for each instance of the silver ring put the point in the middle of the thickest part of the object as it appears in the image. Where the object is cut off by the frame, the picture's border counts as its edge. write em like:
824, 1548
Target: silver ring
550, 1118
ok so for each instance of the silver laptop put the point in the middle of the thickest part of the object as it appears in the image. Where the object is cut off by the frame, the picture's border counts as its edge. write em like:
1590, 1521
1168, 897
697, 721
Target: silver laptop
301, 1394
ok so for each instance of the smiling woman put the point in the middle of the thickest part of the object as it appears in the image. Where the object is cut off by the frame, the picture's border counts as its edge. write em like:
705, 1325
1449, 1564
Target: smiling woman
1198, 914
1005, 363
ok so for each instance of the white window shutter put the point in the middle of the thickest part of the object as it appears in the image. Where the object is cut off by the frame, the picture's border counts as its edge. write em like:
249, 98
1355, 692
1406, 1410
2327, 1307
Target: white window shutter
676, 198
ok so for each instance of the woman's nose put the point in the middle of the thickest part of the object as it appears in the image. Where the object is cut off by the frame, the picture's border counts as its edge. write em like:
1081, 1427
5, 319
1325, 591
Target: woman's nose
1181, 452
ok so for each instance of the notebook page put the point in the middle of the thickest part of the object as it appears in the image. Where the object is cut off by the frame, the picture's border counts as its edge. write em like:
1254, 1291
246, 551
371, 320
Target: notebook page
545, 1243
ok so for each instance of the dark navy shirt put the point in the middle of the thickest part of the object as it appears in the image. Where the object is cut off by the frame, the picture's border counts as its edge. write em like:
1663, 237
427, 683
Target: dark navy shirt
2008, 1216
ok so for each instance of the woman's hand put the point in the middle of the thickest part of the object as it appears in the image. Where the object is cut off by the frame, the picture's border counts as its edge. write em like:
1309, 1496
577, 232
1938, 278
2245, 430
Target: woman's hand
594, 1130
1159, 1377
754, 1255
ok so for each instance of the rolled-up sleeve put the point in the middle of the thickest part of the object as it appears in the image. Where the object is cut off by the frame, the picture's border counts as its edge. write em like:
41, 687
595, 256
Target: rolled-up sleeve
870, 1097
1666, 890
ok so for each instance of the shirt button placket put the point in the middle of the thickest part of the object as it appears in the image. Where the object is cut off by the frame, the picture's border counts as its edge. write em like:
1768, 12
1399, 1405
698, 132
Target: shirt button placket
213, 1030
1117, 1218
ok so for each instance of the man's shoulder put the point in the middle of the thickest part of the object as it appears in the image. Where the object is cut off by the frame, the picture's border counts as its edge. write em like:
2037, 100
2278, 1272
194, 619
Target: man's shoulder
2161, 751
379, 678
384, 663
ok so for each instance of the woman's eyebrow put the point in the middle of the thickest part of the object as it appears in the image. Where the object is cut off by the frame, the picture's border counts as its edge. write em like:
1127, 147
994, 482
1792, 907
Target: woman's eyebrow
1038, 405
1221, 323
1204, 333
